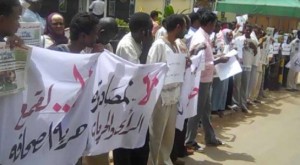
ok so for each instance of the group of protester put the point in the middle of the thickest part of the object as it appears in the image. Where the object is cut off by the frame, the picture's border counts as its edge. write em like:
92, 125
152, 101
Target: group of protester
150, 41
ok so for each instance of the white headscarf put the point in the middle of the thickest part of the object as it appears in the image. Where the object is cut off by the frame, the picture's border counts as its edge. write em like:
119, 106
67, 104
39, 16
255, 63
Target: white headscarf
225, 39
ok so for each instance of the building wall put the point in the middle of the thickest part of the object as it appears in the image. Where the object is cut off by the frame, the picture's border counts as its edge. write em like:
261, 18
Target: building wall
285, 24
181, 5
149, 5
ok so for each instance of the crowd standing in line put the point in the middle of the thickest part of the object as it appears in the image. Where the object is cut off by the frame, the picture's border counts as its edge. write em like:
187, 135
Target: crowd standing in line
149, 42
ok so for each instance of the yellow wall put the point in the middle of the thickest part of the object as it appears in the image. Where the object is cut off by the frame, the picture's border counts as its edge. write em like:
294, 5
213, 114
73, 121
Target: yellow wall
148, 5
180, 5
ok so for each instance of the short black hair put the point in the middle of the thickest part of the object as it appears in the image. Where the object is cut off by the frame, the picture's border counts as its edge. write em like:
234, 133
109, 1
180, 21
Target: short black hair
208, 17
108, 24
139, 21
173, 20
6, 6
154, 14
82, 23
194, 17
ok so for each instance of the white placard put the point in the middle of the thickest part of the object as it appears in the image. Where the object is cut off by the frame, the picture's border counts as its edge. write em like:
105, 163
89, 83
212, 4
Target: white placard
228, 69
286, 49
13, 68
31, 33
276, 47
232, 53
176, 64
270, 31
241, 20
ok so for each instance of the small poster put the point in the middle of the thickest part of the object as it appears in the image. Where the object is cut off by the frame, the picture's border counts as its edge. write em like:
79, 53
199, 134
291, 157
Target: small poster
62, 6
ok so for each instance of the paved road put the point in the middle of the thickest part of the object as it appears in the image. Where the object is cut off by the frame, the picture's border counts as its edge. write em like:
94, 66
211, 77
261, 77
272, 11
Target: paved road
268, 136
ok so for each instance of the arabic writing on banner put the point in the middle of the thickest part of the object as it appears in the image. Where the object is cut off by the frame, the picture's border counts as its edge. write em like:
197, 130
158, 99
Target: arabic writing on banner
122, 103
52, 121
40, 124
13, 68
187, 106
30, 32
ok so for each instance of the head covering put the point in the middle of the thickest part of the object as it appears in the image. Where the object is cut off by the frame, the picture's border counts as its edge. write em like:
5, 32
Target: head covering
225, 32
57, 38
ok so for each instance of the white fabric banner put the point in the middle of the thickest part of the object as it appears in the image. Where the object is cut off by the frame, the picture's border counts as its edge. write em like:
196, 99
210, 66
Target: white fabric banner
39, 125
124, 96
54, 119
187, 107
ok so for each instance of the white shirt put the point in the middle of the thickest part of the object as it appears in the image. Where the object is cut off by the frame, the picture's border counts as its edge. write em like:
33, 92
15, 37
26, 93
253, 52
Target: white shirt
97, 7
295, 46
248, 54
30, 16
160, 32
160, 48
129, 49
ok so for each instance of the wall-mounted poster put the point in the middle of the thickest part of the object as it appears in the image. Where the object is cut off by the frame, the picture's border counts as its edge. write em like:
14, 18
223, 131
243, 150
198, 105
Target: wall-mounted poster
62, 6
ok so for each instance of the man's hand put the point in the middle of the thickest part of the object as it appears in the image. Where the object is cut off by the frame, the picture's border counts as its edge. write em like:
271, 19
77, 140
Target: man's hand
97, 48
253, 47
221, 60
14, 41
188, 62
197, 48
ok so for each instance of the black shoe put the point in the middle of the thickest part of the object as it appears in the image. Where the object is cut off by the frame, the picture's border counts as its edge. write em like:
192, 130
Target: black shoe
245, 110
221, 113
216, 143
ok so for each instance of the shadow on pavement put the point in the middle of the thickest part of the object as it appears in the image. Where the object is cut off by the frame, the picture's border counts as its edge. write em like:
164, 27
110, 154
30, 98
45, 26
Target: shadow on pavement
221, 155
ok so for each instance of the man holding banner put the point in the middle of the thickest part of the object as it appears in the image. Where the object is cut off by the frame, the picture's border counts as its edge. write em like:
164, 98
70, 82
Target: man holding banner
134, 47
162, 124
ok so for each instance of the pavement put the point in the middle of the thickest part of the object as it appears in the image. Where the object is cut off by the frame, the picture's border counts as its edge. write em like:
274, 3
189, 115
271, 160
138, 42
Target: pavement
269, 135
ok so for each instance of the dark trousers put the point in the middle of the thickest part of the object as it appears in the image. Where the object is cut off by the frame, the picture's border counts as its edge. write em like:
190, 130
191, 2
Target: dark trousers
178, 146
229, 92
138, 156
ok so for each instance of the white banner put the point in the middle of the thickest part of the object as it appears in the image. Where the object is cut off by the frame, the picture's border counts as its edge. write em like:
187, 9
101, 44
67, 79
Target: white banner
187, 107
39, 125
55, 118
294, 63
124, 96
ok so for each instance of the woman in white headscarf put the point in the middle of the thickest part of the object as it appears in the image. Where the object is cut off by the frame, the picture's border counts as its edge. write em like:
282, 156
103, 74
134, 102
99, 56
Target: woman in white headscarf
220, 88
